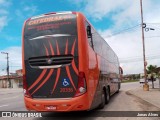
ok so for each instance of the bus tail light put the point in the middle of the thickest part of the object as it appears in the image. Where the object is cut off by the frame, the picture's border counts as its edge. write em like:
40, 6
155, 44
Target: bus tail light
25, 90
81, 89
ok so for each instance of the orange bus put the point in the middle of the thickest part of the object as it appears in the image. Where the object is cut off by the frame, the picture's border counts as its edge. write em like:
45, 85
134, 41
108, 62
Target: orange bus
67, 65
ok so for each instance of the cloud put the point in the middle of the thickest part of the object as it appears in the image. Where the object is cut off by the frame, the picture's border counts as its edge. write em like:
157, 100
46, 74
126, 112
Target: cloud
128, 45
30, 8
26, 11
2, 1
11, 38
121, 14
79, 3
15, 61
125, 45
4, 4
3, 22
3, 12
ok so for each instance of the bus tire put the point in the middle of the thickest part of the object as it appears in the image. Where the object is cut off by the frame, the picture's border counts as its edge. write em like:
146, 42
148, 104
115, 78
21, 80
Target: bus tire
101, 106
107, 96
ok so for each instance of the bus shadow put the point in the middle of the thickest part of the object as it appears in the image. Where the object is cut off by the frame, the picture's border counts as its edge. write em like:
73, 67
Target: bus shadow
79, 115
114, 96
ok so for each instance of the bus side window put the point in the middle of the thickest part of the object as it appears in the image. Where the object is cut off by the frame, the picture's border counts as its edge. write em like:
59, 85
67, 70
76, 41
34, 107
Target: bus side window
89, 35
120, 70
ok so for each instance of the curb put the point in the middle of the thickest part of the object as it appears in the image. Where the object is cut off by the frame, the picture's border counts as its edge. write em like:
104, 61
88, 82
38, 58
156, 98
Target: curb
130, 93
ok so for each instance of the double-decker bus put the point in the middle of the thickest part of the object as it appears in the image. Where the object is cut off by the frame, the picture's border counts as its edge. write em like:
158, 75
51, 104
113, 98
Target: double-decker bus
67, 65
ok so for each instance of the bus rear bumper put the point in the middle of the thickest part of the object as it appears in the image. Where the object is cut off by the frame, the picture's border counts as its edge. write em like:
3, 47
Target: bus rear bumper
79, 103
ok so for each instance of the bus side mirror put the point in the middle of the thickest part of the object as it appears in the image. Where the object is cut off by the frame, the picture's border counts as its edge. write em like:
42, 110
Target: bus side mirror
120, 70
121, 73
89, 34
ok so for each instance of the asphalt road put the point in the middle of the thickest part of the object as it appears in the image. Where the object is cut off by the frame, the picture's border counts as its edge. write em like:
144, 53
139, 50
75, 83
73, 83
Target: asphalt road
11, 100
122, 101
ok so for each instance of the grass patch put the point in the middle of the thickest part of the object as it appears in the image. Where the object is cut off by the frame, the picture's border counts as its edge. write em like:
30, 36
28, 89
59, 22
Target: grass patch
126, 81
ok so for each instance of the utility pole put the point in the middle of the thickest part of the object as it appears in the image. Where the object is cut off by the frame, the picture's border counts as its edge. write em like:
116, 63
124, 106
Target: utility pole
7, 68
145, 86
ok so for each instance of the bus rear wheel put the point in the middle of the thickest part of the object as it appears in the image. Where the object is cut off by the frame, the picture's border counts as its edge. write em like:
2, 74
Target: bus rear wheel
101, 106
107, 96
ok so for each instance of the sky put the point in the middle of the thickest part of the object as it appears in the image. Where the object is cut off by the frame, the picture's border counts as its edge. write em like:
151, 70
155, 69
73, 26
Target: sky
118, 22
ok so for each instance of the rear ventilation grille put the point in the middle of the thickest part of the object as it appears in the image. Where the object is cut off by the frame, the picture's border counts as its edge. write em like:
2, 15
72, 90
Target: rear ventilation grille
50, 61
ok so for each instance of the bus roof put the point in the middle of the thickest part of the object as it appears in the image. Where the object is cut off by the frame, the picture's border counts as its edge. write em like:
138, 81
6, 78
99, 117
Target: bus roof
46, 14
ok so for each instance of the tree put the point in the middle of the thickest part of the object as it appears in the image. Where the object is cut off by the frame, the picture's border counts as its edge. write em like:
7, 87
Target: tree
158, 72
152, 69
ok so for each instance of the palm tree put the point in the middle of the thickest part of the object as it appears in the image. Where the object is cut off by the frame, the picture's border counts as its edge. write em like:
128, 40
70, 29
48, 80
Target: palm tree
152, 69
158, 71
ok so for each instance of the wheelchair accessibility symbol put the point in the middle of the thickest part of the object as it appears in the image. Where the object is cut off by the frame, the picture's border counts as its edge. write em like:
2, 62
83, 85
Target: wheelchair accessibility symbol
65, 82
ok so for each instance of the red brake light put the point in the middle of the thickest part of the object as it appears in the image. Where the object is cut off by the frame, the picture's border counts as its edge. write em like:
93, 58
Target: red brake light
81, 89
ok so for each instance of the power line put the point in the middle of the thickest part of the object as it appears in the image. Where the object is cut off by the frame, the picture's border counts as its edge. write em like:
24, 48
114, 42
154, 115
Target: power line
129, 29
138, 60
123, 31
149, 55
152, 37
152, 23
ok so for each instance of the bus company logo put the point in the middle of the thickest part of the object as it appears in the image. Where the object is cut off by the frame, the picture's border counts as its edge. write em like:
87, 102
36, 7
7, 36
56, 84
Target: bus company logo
49, 61
20, 114
65, 82
6, 114
49, 19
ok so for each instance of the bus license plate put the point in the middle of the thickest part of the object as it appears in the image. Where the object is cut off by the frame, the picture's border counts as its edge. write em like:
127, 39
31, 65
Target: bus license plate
50, 107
